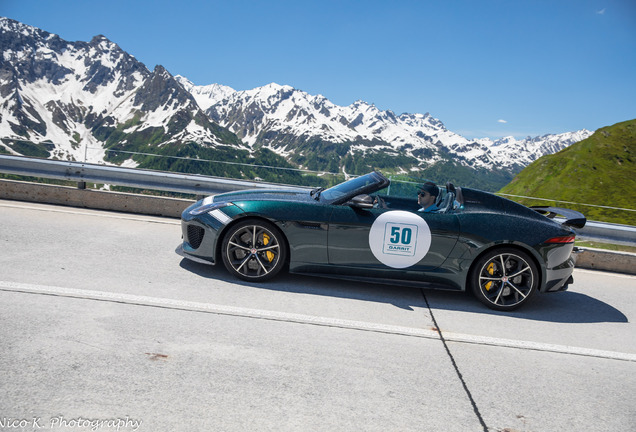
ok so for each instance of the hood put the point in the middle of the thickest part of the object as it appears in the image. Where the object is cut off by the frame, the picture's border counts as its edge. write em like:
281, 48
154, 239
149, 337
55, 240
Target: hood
296, 195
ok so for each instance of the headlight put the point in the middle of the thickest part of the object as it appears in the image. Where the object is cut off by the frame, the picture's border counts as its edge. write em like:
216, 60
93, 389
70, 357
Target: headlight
207, 206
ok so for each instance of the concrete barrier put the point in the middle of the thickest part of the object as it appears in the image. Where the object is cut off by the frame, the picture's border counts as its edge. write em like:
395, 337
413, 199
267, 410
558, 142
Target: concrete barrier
599, 259
95, 199
588, 258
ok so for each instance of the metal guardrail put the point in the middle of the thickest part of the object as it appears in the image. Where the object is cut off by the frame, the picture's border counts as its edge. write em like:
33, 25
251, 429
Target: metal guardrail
81, 172
204, 185
607, 233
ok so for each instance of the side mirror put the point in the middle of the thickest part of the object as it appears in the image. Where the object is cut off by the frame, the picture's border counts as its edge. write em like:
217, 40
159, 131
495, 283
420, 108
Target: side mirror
361, 201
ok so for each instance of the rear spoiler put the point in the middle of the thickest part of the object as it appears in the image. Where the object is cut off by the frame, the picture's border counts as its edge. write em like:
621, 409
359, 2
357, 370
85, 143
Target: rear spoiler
572, 217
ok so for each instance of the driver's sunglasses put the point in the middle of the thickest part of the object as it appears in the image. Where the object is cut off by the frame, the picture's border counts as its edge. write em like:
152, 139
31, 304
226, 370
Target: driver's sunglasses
422, 194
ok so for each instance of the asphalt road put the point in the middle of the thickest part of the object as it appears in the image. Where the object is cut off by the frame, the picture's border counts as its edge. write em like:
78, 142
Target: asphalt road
103, 327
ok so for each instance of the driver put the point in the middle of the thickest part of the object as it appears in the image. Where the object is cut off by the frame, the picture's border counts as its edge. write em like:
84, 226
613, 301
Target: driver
426, 197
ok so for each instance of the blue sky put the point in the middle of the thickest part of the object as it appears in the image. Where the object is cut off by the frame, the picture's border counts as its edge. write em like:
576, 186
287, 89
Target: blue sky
484, 68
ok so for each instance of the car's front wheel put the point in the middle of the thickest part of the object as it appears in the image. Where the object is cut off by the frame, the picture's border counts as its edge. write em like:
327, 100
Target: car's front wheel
504, 279
254, 250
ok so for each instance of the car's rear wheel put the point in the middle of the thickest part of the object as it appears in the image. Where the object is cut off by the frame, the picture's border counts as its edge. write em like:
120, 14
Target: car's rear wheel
504, 279
254, 250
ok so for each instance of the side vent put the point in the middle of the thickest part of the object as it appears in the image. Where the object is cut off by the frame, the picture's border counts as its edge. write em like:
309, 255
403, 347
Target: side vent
195, 236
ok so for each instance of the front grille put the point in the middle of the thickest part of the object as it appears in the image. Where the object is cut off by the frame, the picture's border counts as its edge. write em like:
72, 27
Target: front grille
195, 235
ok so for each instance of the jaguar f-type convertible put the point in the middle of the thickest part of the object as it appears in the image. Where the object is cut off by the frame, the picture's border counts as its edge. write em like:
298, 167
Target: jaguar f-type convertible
371, 229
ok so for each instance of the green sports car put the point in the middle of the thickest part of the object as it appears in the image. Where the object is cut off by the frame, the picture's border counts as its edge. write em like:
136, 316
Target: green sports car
371, 229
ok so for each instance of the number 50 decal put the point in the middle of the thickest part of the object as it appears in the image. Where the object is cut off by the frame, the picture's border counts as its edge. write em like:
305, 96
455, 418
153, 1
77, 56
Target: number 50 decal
404, 238
399, 239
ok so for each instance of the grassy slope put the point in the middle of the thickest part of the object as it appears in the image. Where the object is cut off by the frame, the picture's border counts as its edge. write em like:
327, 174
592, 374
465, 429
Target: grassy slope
599, 170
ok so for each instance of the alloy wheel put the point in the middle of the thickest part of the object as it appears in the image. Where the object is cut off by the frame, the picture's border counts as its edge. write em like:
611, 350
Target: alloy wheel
253, 252
505, 280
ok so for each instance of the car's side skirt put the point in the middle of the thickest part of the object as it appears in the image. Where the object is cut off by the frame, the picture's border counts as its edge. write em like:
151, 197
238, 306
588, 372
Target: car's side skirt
401, 282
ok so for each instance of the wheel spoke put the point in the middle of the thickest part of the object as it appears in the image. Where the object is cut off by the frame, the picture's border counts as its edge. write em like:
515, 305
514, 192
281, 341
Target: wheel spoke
261, 264
501, 287
518, 290
238, 269
503, 265
239, 246
519, 272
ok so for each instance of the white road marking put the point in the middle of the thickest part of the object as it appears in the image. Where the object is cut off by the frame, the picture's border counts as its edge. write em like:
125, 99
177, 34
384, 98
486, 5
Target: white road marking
309, 319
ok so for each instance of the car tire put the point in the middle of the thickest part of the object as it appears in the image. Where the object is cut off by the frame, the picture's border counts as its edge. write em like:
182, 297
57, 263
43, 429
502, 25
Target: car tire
504, 279
254, 250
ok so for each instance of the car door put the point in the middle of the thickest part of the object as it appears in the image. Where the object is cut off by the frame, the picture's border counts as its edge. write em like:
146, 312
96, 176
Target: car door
390, 239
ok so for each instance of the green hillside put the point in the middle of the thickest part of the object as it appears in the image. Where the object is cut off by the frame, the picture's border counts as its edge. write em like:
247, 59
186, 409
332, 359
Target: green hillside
599, 170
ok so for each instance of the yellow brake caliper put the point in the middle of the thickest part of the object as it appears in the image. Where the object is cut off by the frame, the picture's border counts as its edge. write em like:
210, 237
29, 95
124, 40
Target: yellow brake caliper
268, 254
491, 271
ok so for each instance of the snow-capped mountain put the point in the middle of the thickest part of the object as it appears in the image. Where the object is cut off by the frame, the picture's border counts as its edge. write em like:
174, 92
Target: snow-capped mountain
528, 150
78, 100
207, 95
281, 117
93, 101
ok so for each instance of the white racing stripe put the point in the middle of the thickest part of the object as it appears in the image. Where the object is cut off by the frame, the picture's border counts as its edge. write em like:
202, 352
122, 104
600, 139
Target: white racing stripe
309, 319
220, 216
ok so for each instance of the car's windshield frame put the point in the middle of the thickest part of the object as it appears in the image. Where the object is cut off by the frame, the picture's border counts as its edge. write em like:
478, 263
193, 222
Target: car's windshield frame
344, 192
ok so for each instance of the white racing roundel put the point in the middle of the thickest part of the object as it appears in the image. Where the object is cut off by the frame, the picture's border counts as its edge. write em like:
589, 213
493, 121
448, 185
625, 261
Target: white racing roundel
399, 239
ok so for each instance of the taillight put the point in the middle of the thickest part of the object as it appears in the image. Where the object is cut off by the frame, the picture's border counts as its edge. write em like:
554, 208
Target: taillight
561, 239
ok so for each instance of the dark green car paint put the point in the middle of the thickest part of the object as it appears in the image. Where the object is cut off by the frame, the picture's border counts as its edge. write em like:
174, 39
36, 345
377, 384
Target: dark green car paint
331, 238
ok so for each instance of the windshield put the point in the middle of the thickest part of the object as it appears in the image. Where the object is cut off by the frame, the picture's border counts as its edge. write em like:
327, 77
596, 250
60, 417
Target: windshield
344, 191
